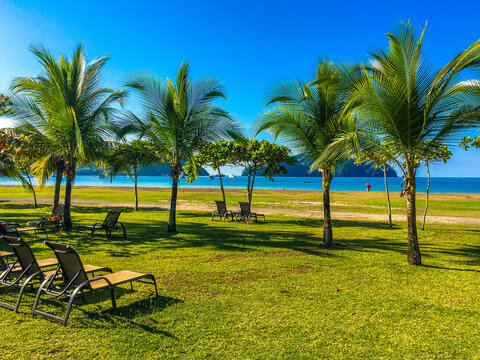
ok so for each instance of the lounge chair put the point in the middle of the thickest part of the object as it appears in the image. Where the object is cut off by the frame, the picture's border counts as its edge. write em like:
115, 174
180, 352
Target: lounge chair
74, 281
222, 211
5, 257
244, 214
31, 271
55, 219
13, 228
110, 224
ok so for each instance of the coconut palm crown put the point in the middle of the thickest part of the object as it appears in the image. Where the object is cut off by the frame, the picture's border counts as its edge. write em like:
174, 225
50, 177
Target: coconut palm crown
403, 102
178, 117
65, 109
308, 117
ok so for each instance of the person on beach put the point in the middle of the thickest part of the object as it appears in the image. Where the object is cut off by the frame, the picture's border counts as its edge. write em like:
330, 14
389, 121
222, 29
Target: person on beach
369, 187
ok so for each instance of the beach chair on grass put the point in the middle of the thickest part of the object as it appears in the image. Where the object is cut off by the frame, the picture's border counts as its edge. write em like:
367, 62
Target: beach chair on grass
222, 211
5, 261
13, 228
26, 270
54, 220
244, 214
110, 224
74, 281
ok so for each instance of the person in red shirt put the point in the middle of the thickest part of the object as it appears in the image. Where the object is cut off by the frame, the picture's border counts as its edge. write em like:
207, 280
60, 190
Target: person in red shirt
369, 187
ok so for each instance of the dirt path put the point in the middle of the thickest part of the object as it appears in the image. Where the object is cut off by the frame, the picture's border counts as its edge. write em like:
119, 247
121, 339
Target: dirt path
341, 215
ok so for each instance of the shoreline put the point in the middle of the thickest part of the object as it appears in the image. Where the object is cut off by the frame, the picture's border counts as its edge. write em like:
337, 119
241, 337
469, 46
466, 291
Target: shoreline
239, 190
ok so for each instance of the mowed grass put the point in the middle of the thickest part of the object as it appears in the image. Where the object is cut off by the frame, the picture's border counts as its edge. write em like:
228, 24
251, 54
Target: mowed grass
259, 291
463, 205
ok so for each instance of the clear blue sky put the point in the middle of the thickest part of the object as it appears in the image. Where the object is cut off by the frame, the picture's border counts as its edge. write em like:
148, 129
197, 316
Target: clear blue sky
246, 44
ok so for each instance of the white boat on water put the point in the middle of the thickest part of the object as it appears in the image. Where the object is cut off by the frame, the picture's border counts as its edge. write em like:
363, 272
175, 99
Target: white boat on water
231, 176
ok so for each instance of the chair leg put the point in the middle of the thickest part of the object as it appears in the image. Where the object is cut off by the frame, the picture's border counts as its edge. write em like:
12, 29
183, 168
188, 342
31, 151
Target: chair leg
124, 230
22, 289
154, 284
112, 296
37, 298
93, 231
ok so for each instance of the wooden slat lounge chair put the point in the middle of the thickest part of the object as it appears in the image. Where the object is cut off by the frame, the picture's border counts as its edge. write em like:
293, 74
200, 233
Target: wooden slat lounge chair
244, 214
110, 224
54, 220
31, 271
74, 281
222, 211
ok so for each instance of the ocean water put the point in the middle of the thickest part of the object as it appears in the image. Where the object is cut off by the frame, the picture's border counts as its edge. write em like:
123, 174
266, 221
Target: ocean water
438, 185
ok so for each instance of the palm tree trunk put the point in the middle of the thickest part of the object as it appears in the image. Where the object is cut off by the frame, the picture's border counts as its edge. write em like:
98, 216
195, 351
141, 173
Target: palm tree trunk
428, 194
388, 197
413, 250
172, 224
58, 183
67, 219
221, 186
327, 217
30, 185
135, 174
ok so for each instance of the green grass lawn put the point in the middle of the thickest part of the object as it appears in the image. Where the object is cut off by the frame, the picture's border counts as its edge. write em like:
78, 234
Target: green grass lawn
260, 291
465, 205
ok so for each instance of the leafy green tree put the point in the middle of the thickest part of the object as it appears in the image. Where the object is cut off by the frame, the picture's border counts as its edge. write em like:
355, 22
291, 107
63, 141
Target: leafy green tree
309, 117
402, 101
24, 158
433, 154
66, 110
8, 145
380, 158
178, 117
5, 103
130, 158
215, 155
255, 156
468, 142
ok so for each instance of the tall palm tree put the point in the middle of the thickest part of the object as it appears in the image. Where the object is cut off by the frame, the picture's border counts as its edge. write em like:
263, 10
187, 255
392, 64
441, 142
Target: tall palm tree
309, 117
68, 106
177, 118
406, 104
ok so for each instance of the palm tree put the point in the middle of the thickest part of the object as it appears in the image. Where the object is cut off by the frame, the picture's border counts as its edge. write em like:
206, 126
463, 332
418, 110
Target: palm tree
69, 108
403, 102
309, 117
177, 118
130, 158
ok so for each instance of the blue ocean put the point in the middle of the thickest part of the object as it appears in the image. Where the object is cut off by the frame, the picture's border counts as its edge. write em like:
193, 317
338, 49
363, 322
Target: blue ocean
438, 185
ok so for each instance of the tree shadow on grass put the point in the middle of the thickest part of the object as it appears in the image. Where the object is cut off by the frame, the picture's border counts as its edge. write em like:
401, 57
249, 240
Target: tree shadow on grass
196, 230
449, 268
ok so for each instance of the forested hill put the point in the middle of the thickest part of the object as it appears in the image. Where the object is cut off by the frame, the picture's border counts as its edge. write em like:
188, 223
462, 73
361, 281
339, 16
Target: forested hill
347, 169
156, 170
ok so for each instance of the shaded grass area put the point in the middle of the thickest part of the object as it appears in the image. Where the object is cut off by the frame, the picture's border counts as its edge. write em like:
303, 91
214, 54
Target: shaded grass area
265, 291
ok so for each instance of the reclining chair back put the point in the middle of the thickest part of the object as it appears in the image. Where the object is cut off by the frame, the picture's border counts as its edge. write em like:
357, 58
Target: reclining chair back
58, 211
112, 218
24, 254
244, 208
221, 207
70, 263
